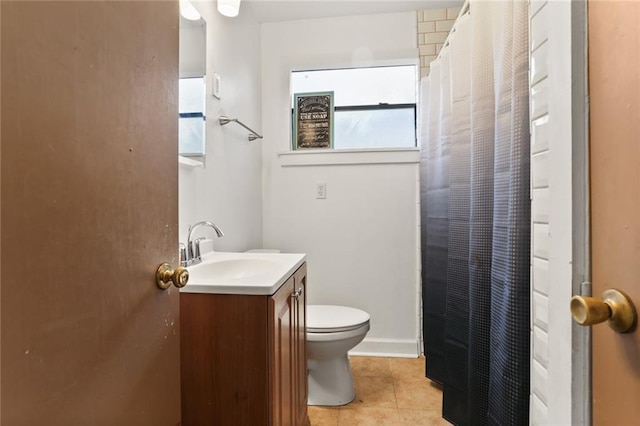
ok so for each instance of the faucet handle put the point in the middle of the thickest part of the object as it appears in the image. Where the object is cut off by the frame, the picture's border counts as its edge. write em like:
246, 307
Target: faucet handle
183, 254
194, 251
196, 247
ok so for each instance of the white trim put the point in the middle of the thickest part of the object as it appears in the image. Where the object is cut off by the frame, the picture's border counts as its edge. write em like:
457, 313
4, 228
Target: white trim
349, 156
189, 162
581, 258
393, 348
559, 190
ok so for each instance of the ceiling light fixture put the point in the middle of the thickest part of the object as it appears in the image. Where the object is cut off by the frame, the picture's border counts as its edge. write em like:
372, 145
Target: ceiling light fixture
229, 8
188, 11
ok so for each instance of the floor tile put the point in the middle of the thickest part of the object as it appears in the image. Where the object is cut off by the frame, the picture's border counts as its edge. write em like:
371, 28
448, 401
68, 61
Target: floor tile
418, 395
364, 366
421, 418
407, 368
389, 392
322, 416
373, 392
369, 416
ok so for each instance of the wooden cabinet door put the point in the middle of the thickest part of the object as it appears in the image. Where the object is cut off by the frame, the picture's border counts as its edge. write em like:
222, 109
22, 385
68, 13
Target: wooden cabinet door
300, 388
224, 359
89, 210
614, 89
281, 315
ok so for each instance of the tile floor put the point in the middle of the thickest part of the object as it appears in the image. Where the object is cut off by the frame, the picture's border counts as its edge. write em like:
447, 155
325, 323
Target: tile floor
389, 392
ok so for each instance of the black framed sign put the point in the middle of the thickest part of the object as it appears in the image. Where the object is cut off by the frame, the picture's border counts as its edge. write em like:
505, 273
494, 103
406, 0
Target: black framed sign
313, 120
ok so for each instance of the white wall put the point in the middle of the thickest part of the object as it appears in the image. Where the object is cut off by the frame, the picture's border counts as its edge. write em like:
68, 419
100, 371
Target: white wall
362, 240
229, 190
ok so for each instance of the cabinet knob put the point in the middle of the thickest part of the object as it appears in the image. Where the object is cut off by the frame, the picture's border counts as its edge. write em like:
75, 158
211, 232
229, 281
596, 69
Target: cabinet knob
165, 276
296, 294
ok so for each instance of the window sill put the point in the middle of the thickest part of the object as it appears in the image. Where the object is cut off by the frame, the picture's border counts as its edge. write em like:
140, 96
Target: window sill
186, 161
323, 157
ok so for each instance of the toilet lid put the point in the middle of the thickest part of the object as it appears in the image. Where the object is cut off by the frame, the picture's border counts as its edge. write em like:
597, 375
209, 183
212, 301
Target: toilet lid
328, 318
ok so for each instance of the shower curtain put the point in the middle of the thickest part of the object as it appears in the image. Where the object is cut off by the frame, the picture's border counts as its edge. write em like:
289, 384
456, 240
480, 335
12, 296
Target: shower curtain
475, 212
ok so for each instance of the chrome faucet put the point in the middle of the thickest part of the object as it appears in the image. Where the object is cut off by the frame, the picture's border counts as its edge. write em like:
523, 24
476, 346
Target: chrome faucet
190, 255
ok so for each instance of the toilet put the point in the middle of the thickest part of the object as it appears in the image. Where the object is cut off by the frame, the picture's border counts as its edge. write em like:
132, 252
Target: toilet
331, 332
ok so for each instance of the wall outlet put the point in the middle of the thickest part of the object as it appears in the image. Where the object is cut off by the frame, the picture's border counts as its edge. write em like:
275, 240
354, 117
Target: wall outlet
321, 191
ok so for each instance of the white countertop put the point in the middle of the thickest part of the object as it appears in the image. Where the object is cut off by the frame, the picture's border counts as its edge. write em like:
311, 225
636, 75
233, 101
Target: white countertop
242, 273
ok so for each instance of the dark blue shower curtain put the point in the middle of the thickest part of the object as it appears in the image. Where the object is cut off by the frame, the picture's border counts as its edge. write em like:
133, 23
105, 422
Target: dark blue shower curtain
476, 219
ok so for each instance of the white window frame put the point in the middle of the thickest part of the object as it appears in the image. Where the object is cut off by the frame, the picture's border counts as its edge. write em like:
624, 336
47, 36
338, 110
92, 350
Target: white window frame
292, 158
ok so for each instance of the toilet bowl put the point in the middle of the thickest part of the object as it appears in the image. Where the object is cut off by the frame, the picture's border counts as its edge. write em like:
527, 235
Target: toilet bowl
331, 332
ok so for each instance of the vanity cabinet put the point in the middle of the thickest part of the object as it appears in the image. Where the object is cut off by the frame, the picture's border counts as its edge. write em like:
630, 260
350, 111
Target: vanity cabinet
243, 357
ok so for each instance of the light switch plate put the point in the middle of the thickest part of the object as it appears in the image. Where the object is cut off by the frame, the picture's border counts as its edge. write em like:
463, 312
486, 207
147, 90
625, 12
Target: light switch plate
321, 191
216, 85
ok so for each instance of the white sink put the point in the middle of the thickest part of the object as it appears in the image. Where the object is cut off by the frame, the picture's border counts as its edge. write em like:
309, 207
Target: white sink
242, 273
233, 269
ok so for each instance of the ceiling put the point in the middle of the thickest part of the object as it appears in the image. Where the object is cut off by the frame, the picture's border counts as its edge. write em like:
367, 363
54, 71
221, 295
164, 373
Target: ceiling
291, 10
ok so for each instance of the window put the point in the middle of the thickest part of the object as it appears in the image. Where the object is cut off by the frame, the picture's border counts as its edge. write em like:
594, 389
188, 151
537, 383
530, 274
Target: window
374, 107
191, 106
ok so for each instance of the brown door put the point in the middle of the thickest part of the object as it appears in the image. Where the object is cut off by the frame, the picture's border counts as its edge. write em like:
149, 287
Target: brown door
88, 211
614, 88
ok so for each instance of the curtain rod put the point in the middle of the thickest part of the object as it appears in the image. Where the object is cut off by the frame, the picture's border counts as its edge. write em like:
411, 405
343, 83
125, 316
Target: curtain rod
226, 120
463, 11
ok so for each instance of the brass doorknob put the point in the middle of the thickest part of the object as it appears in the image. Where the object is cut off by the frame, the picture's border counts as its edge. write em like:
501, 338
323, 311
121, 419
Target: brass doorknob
165, 276
614, 306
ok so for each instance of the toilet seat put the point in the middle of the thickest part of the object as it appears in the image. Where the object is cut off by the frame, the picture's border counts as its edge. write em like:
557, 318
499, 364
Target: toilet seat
332, 319
334, 336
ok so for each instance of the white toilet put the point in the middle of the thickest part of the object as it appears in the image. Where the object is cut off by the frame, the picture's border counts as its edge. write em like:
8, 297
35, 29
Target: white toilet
331, 332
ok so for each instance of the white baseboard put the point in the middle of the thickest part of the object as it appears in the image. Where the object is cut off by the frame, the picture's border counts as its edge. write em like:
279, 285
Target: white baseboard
398, 348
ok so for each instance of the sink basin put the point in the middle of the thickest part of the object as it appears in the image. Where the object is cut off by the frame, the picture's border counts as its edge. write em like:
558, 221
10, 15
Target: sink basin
242, 273
233, 269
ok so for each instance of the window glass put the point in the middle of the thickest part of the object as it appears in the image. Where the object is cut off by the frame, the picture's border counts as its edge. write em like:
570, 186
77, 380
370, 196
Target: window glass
361, 86
191, 126
191, 136
374, 107
391, 128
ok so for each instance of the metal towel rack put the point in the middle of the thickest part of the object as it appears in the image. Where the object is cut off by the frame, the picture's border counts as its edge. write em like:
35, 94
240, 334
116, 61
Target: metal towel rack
226, 120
